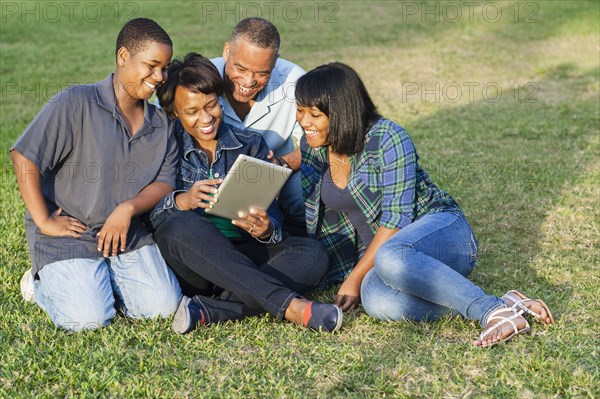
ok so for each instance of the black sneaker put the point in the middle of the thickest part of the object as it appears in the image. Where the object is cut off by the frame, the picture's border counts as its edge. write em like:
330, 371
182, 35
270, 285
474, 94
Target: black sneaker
322, 317
188, 316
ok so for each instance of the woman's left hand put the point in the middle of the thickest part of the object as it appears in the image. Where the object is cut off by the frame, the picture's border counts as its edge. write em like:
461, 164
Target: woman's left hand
256, 222
348, 296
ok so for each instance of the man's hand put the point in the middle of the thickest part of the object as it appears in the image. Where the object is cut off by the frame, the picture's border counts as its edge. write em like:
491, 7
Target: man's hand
292, 159
61, 226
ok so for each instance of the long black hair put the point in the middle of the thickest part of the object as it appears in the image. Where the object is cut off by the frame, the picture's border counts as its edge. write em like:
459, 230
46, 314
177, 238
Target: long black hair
337, 91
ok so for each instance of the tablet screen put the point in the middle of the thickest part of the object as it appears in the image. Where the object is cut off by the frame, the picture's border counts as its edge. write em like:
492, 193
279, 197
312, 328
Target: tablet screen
250, 183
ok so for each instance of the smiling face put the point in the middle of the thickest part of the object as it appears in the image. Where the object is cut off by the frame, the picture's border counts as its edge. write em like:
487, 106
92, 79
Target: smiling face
315, 124
247, 69
200, 115
140, 73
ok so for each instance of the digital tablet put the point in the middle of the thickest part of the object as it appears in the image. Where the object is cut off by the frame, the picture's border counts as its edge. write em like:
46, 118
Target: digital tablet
250, 183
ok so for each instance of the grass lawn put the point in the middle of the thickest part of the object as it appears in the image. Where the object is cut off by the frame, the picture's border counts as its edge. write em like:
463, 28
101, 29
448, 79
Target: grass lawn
502, 101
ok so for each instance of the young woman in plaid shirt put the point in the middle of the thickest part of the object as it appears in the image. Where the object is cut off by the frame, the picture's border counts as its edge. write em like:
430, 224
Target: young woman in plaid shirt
394, 238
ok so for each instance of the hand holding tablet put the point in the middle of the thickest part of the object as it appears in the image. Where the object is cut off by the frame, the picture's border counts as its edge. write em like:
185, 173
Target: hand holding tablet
200, 195
256, 222
250, 184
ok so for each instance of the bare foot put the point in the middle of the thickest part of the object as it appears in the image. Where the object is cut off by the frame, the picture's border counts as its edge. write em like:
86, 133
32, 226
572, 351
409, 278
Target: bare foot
502, 325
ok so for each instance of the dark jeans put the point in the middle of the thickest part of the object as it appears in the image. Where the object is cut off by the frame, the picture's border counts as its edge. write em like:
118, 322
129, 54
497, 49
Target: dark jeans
291, 206
253, 277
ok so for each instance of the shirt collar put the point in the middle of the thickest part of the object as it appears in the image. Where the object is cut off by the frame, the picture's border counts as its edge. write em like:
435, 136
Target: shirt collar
226, 139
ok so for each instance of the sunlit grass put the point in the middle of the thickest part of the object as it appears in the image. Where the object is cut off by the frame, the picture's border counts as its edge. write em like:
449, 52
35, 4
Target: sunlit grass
526, 173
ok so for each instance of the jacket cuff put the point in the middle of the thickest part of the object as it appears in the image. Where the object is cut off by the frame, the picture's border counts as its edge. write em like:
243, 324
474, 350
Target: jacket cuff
275, 237
164, 209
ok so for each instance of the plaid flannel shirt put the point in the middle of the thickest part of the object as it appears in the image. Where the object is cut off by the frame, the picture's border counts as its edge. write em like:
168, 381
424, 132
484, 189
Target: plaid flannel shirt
387, 183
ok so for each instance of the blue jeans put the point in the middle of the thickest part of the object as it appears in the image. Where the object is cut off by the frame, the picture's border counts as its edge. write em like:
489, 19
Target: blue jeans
81, 294
421, 272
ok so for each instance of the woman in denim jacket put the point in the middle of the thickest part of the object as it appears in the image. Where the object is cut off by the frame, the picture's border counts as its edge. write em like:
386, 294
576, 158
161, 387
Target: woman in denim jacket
233, 269
394, 238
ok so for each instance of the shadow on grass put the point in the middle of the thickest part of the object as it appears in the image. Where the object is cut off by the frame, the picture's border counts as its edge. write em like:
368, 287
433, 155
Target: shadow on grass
515, 161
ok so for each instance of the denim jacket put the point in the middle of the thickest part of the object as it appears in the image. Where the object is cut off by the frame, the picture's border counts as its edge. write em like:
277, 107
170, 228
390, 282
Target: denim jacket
193, 166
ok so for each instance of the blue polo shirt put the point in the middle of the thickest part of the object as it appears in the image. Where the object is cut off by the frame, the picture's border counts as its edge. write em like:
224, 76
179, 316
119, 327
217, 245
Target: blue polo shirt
90, 163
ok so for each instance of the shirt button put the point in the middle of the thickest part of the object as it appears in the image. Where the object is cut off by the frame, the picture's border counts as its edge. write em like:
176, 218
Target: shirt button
216, 174
169, 202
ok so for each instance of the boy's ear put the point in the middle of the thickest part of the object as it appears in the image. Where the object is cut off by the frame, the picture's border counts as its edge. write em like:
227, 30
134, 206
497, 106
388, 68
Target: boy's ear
122, 56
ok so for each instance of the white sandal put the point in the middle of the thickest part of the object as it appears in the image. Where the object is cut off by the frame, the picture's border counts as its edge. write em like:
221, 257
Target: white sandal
518, 298
495, 315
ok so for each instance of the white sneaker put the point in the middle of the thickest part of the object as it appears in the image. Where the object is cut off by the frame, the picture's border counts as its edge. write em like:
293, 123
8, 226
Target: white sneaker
27, 286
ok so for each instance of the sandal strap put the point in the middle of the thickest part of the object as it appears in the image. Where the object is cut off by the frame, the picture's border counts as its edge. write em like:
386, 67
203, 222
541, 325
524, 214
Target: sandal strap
518, 303
503, 319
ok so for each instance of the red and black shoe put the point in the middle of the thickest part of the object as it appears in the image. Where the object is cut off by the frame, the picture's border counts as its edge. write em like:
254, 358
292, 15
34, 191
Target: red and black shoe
322, 317
189, 315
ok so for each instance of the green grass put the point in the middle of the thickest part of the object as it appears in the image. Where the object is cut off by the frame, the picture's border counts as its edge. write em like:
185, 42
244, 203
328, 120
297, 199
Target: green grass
527, 174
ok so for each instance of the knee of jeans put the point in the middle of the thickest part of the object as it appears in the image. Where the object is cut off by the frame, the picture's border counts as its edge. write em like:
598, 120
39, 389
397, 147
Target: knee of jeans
373, 302
321, 259
86, 318
161, 303
312, 256
392, 258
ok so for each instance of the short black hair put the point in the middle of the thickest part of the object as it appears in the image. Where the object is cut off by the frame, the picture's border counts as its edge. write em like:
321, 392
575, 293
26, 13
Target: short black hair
138, 33
195, 73
258, 31
337, 90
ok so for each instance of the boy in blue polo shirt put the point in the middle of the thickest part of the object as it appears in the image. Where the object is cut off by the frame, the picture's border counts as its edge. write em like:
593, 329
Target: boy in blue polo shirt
95, 158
